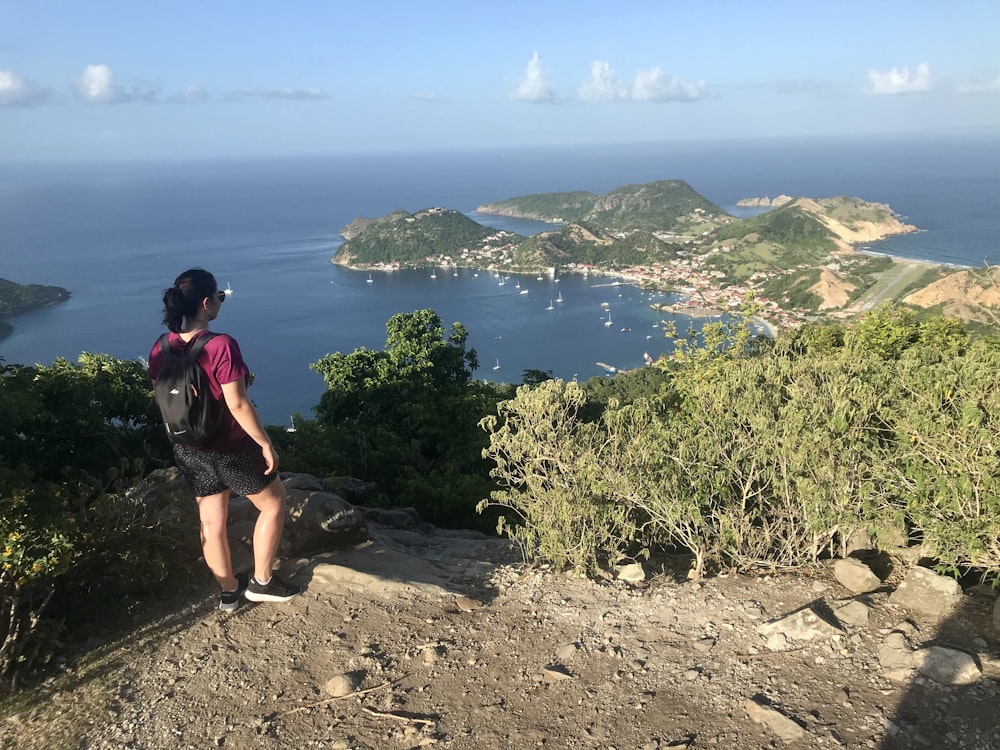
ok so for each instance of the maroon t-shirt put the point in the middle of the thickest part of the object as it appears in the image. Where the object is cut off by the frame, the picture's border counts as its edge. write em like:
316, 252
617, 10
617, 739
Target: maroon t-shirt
222, 361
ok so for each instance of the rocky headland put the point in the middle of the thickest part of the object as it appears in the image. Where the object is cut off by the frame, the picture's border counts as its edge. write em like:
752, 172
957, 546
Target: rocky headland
16, 299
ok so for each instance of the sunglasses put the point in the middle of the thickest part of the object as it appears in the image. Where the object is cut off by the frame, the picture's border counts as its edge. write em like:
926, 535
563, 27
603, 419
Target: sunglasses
221, 296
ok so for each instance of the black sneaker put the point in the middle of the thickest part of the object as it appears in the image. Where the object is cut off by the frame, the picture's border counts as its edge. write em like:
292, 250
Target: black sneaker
274, 590
231, 599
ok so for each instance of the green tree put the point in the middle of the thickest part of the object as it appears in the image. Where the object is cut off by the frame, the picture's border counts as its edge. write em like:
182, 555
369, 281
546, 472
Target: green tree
406, 417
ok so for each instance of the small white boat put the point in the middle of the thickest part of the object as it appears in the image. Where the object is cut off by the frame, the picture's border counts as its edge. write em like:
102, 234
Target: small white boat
292, 427
370, 279
539, 278
524, 291
228, 290
559, 297
502, 281
608, 321
551, 306
433, 275
497, 365
455, 274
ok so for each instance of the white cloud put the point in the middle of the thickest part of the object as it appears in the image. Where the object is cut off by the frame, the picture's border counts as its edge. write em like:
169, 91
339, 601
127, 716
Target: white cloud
288, 94
193, 94
654, 85
980, 87
603, 84
535, 85
18, 91
97, 86
297, 95
901, 80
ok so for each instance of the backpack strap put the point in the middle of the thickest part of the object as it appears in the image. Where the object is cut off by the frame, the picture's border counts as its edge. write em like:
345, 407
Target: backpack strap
196, 347
199, 344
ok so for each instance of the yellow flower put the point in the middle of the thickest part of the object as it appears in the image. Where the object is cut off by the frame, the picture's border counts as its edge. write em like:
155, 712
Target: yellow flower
13, 536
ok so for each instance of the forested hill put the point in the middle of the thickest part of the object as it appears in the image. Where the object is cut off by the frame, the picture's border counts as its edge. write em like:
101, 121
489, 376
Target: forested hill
654, 205
411, 238
19, 298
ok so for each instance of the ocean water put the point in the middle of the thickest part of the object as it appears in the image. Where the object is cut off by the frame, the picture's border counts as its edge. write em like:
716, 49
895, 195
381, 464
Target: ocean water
116, 234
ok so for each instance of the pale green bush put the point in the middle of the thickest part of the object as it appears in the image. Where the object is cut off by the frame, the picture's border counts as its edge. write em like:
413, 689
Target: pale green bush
948, 467
548, 465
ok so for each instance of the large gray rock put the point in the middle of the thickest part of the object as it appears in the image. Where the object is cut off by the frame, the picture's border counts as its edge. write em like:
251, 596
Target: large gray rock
167, 493
805, 624
315, 521
895, 652
760, 711
855, 576
853, 613
927, 592
947, 666
858, 540
353, 490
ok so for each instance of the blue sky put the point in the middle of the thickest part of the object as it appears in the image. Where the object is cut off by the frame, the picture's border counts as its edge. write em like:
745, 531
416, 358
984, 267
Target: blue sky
219, 78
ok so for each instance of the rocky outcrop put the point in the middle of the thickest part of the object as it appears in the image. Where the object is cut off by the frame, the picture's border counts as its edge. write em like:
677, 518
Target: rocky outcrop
764, 202
316, 520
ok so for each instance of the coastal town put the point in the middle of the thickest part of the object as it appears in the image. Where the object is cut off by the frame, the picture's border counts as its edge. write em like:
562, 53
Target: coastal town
707, 291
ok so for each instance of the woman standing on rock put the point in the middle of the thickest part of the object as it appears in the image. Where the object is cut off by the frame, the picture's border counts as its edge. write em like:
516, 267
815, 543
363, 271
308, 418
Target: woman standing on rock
239, 457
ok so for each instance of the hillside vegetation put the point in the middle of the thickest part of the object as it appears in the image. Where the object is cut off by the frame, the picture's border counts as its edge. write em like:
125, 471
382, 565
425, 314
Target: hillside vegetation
410, 238
654, 205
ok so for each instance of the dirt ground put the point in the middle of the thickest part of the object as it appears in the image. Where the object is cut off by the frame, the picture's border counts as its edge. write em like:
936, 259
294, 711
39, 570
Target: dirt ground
448, 640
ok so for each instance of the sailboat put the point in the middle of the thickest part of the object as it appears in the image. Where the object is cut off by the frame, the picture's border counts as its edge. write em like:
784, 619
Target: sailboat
497, 365
433, 275
370, 279
608, 321
559, 297
292, 427
517, 284
551, 306
502, 281
228, 290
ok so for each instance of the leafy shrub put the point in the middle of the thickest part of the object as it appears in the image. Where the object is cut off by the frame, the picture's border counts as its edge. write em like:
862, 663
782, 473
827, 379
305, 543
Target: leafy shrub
406, 418
550, 473
760, 457
72, 436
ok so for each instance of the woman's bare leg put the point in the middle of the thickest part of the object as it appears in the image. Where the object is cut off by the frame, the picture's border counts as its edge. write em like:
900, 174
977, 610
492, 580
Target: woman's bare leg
270, 501
213, 512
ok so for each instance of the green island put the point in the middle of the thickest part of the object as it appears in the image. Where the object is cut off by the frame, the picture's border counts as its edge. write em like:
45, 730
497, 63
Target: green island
21, 298
805, 259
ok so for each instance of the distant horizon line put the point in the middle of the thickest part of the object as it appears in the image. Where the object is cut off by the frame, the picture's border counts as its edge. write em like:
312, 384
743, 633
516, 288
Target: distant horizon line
939, 136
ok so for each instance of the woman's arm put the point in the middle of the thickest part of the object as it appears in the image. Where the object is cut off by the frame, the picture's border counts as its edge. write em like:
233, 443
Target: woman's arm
245, 415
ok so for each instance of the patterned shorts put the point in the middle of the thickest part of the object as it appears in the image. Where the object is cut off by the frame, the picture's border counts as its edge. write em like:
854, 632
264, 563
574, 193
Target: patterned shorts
208, 472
